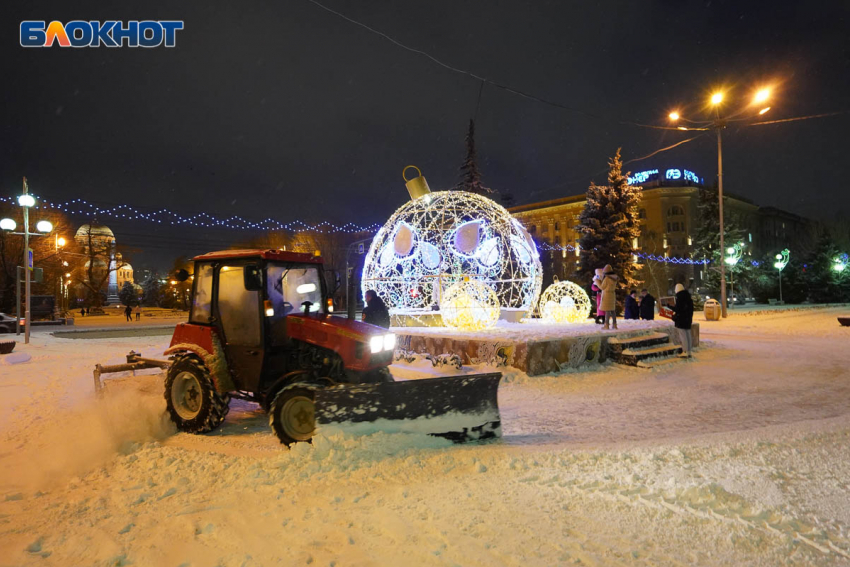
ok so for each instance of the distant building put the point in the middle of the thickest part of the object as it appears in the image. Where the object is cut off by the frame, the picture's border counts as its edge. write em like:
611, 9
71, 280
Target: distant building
99, 241
668, 219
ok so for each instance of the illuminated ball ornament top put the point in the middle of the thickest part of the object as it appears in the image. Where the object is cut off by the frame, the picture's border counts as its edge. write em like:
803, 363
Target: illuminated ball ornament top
564, 302
438, 239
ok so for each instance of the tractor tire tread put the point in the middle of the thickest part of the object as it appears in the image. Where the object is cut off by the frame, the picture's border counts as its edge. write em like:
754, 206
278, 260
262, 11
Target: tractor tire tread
219, 404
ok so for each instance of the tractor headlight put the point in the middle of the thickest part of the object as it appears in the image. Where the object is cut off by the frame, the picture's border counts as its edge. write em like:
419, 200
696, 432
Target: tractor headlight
381, 343
389, 342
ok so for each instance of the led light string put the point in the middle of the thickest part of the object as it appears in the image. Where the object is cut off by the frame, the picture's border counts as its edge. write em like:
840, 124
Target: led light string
201, 220
644, 255
206, 220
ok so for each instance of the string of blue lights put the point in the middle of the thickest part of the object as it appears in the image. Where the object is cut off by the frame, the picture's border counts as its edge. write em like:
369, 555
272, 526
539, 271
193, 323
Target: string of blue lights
206, 220
644, 255
201, 220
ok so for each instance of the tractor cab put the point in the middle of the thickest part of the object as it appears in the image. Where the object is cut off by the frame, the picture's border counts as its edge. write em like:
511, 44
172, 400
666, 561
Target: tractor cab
269, 313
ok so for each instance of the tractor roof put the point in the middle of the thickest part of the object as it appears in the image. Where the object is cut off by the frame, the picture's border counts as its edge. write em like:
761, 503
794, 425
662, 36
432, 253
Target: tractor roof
279, 255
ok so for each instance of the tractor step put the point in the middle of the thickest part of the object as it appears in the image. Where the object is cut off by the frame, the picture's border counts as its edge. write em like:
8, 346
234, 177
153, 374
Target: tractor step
458, 408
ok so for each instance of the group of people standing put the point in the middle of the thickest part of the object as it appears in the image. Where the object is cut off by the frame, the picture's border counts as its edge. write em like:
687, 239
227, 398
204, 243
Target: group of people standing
643, 307
129, 311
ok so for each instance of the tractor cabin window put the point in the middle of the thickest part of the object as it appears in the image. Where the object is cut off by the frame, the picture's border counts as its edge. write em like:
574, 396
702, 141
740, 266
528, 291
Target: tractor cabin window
290, 286
202, 303
238, 308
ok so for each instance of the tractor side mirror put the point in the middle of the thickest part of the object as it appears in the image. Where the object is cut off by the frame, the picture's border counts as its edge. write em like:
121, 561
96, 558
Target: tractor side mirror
181, 275
253, 278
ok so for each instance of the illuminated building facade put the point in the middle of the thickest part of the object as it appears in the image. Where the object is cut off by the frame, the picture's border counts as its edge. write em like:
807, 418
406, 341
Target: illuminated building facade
669, 223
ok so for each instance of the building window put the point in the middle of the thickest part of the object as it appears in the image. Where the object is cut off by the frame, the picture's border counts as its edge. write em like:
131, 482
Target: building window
557, 226
675, 211
642, 214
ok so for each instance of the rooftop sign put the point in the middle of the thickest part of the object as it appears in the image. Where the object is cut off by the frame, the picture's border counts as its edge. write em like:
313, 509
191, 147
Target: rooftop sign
665, 175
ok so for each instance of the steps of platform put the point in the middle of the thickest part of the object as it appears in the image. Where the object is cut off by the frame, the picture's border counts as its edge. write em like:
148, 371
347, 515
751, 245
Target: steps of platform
644, 351
656, 362
617, 344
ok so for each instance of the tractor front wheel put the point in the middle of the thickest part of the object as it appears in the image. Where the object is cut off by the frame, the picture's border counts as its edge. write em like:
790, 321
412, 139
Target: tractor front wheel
193, 403
292, 414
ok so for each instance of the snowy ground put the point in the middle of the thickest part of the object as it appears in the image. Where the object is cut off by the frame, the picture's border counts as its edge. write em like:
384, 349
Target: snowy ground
738, 458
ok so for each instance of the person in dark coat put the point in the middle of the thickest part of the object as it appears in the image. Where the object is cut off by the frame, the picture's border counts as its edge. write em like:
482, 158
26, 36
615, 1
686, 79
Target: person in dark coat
647, 305
632, 310
128, 312
375, 311
683, 317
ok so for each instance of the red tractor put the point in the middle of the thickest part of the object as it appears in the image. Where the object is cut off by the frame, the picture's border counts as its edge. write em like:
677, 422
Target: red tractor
260, 329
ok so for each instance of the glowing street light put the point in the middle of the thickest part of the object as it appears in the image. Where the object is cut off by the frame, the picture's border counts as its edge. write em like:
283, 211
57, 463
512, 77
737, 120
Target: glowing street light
44, 226
718, 124
781, 261
61, 242
840, 263
8, 224
733, 256
26, 200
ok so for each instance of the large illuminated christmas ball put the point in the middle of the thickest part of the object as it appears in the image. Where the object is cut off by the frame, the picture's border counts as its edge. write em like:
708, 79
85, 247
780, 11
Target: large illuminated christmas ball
564, 302
438, 239
470, 306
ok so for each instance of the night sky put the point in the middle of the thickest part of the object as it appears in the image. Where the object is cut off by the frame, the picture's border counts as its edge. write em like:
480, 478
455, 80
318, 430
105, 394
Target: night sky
282, 109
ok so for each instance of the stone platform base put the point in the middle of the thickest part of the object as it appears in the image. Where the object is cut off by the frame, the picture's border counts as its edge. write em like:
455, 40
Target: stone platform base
533, 348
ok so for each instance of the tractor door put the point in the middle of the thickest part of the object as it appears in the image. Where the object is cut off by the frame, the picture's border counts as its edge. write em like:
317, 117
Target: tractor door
239, 314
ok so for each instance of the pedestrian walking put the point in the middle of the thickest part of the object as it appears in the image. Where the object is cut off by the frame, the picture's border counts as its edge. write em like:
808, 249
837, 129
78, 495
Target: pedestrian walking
128, 311
647, 305
375, 311
82, 312
609, 296
632, 310
683, 317
138, 311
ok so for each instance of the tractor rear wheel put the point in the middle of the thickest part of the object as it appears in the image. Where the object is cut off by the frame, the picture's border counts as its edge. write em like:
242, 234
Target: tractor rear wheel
292, 414
193, 403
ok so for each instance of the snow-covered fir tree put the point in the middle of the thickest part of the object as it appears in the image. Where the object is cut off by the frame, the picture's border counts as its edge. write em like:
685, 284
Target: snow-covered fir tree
609, 226
706, 245
470, 174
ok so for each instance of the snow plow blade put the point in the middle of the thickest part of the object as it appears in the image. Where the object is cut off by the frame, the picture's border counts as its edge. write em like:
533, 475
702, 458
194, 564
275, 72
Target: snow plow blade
458, 408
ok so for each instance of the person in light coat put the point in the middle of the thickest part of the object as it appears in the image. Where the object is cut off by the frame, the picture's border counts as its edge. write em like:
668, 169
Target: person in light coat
609, 296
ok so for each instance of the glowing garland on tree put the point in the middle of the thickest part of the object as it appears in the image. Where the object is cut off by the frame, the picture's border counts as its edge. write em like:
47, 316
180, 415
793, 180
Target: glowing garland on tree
470, 306
564, 302
439, 239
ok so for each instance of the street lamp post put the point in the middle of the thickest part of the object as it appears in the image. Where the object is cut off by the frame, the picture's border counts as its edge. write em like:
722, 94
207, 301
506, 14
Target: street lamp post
718, 124
781, 262
25, 200
733, 256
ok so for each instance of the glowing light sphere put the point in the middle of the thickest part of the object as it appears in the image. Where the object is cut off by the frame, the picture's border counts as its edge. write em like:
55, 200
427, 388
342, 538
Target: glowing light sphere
470, 306
442, 238
564, 302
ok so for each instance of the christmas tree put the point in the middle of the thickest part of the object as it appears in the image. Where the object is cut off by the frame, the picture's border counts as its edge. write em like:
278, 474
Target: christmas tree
609, 226
470, 175
707, 246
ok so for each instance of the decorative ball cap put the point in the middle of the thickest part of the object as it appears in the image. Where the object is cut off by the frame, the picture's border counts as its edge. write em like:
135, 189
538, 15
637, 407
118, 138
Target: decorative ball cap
417, 186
